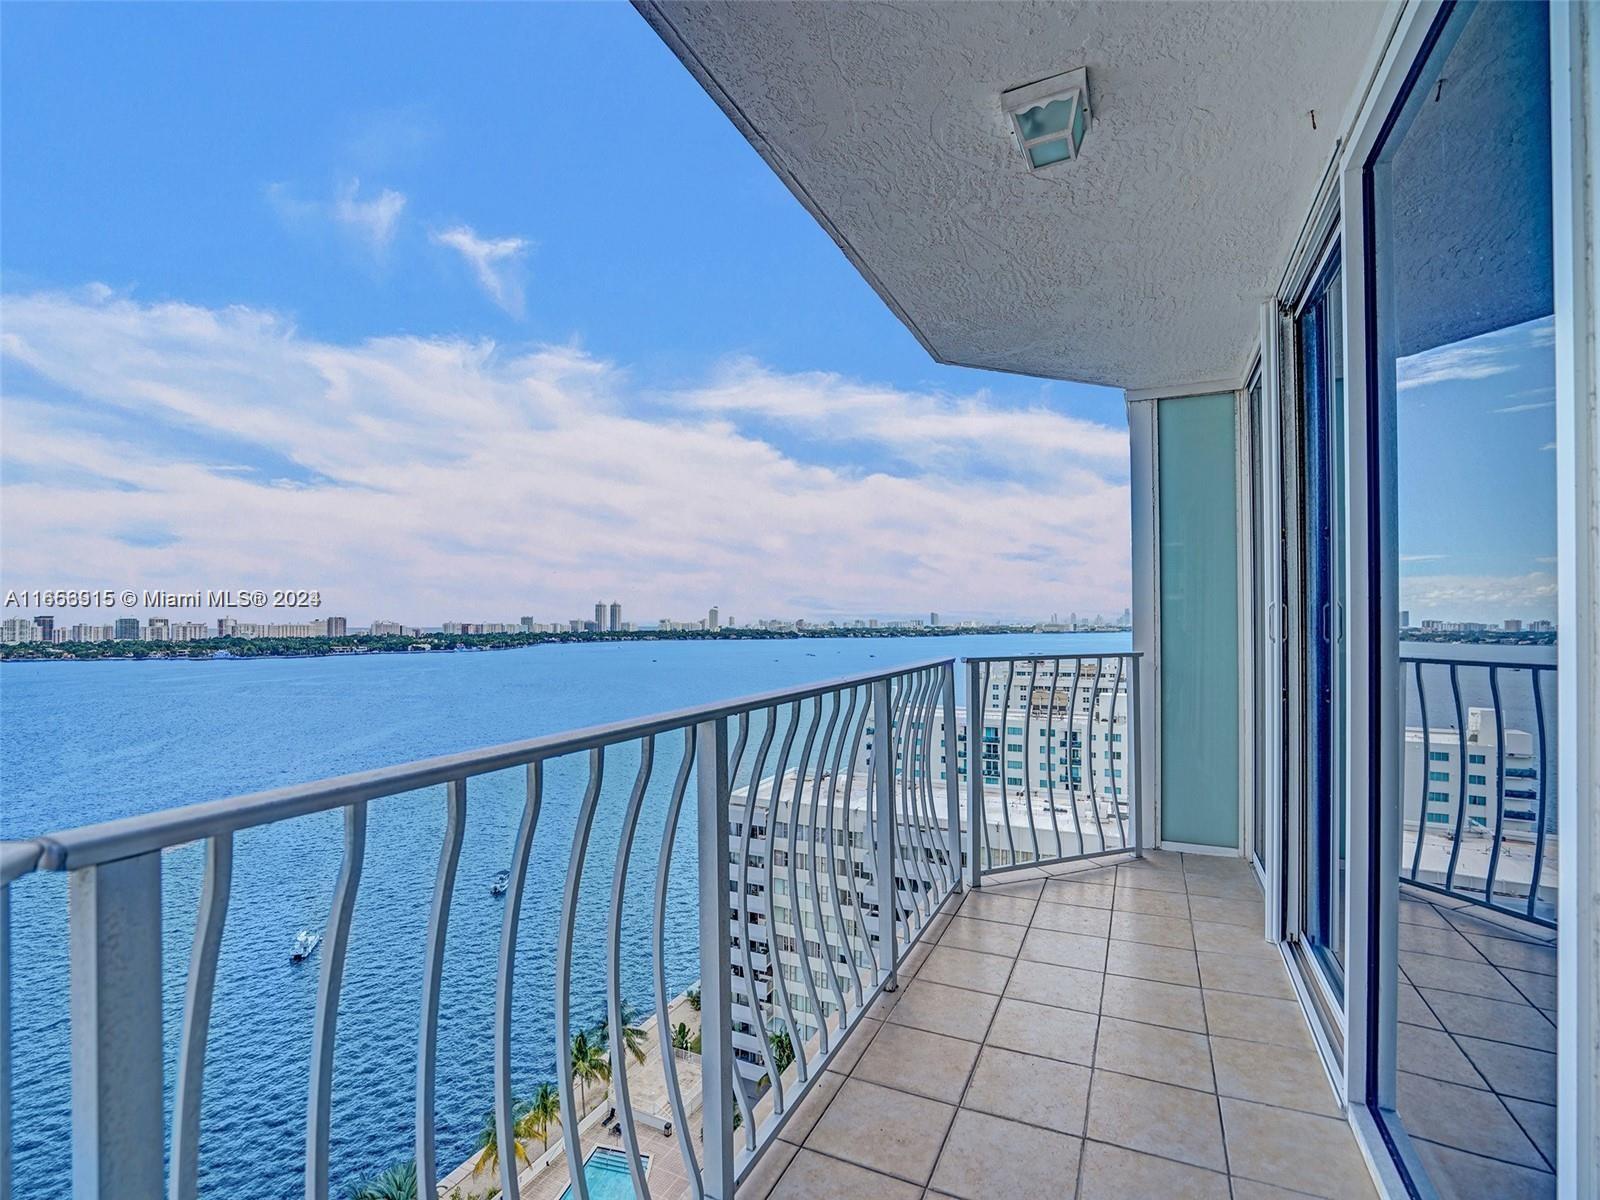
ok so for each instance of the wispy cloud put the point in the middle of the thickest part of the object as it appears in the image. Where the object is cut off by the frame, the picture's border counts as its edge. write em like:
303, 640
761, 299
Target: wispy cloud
1451, 364
496, 263
1415, 558
1532, 406
1480, 597
458, 479
374, 220
371, 221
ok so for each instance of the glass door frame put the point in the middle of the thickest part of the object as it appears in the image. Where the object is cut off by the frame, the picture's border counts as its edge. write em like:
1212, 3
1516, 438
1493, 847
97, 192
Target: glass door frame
1321, 994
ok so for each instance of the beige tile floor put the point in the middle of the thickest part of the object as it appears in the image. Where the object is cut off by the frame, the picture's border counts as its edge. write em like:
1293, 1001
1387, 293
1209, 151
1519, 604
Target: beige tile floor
1100, 1031
1476, 1048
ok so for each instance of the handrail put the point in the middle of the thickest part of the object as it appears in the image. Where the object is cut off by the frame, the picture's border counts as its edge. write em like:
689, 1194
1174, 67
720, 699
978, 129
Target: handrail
1475, 654
127, 837
1049, 657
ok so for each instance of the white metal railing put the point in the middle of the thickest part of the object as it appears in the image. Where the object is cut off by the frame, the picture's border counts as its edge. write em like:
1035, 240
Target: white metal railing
889, 845
1051, 737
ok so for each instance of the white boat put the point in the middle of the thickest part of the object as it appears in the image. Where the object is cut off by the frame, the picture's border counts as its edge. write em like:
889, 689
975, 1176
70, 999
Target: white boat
305, 945
501, 883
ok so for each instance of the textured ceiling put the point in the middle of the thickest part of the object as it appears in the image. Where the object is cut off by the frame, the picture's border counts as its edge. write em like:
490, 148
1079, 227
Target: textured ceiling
1142, 264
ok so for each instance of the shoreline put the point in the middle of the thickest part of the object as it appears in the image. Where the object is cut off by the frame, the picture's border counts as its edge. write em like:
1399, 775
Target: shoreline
214, 650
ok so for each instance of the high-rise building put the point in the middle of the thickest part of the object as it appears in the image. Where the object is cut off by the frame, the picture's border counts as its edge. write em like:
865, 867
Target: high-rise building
933, 620
600, 614
1513, 625
614, 621
19, 629
127, 629
46, 626
713, 622
336, 626
1405, 618
159, 631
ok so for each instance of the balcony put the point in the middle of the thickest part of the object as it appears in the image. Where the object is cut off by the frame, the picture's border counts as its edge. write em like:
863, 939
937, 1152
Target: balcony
1104, 1029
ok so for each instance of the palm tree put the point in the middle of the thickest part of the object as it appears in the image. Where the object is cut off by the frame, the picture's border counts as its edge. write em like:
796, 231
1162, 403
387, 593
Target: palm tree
694, 998
489, 1138
395, 1183
540, 1113
632, 1034
590, 1063
680, 1036
782, 1050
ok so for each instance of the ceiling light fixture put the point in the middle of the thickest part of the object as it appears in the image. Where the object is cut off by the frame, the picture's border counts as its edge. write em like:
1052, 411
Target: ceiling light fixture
1050, 117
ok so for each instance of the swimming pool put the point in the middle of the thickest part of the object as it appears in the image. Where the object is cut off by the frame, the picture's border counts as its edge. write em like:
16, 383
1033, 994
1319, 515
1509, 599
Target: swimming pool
606, 1173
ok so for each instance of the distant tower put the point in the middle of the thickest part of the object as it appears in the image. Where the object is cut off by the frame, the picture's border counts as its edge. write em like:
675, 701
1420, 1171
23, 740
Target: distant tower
600, 614
47, 627
337, 626
615, 623
713, 622
1405, 618
933, 620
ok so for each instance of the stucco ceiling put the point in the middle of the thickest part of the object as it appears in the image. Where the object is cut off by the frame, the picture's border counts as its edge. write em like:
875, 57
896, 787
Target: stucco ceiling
1140, 265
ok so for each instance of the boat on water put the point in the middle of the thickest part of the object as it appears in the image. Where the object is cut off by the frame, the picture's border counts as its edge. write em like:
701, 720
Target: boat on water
501, 883
305, 945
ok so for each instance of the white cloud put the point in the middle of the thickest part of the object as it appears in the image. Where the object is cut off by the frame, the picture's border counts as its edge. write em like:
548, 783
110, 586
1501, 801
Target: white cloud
1532, 406
445, 479
372, 221
1412, 558
1489, 598
1450, 364
495, 262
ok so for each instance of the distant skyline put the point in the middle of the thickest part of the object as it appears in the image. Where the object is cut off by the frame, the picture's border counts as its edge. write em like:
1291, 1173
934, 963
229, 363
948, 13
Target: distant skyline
414, 329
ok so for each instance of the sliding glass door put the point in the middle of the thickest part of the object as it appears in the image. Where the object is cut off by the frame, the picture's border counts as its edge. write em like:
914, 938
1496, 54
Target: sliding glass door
1322, 841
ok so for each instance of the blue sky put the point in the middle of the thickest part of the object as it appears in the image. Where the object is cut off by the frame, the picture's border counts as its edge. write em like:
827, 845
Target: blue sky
313, 272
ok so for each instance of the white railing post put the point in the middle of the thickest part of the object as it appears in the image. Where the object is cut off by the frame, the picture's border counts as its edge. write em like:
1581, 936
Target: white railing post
952, 773
1136, 757
114, 920
975, 814
883, 862
716, 983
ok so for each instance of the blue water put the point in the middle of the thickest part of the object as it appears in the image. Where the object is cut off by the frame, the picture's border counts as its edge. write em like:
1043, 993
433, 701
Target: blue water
91, 741
606, 1173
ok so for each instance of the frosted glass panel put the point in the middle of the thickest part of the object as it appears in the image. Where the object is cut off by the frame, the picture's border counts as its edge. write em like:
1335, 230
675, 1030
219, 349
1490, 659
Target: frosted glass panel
1199, 621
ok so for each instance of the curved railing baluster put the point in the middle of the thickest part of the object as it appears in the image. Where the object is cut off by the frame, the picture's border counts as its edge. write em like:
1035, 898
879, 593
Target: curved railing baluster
850, 857
1088, 752
816, 883
1005, 761
938, 844
938, 863
923, 839
1499, 785
619, 1044
1544, 796
1027, 754
1072, 775
1111, 756
1461, 790
570, 1116
1427, 750
755, 1001
214, 892
438, 924
774, 806
903, 775
521, 851
975, 762
1050, 755
669, 1062
833, 873
336, 943
795, 910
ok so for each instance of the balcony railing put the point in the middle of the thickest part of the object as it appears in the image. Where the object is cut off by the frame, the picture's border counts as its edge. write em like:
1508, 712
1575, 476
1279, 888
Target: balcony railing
1477, 818
788, 779
1058, 777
